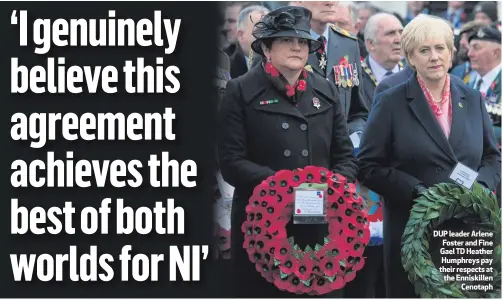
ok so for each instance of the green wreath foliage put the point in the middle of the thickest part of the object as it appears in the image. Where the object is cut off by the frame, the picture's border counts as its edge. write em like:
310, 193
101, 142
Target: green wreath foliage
439, 203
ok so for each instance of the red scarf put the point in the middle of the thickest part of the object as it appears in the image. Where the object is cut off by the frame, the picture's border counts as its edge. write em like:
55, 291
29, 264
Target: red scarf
293, 92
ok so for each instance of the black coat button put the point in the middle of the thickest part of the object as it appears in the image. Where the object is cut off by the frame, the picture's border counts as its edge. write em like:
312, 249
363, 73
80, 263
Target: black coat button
287, 153
305, 152
285, 125
303, 127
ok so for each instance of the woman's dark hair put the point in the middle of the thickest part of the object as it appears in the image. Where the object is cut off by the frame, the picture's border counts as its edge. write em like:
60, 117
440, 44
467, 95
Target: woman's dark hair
268, 42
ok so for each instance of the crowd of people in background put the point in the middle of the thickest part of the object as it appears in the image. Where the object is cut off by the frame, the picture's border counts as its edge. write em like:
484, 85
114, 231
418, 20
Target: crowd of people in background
366, 57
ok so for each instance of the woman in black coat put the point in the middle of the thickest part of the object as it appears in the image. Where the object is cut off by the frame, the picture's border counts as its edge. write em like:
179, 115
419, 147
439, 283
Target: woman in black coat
417, 134
278, 116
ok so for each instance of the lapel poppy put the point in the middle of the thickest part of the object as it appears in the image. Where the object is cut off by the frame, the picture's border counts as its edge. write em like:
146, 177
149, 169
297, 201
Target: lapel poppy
301, 86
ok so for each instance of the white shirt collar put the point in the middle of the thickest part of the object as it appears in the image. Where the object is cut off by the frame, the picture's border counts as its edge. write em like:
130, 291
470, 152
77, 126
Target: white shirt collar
488, 79
316, 35
378, 70
325, 34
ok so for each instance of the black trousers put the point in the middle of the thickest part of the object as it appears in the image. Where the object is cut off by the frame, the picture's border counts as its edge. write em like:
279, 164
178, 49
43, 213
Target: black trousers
370, 279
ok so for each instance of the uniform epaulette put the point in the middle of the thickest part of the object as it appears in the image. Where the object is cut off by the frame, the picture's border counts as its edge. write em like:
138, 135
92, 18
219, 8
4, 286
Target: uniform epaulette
308, 68
343, 32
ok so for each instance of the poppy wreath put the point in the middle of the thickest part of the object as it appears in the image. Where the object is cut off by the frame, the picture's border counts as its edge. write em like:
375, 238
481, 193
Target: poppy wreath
315, 270
442, 202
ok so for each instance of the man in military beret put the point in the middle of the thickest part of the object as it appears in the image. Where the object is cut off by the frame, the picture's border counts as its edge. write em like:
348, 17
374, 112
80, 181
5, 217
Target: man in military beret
485, 58
338, 61
486, 11
463, 69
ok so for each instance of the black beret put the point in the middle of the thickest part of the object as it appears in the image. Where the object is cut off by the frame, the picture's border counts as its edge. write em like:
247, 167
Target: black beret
488, 8
490, 34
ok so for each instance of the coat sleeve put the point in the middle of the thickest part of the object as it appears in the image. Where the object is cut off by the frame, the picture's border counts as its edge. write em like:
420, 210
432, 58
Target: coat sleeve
235, 165
490, 167
358, 111
342, 152
374, 158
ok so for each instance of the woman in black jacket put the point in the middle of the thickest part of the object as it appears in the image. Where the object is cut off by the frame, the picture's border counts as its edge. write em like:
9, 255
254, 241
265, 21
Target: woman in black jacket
419, 131
278, 116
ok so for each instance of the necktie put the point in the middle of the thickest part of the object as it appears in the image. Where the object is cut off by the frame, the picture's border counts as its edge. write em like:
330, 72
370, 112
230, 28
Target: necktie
321, 53
478, 84
388, 73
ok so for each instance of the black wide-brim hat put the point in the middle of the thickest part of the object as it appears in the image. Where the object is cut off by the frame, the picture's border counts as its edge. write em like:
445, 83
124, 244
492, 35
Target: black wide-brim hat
287, 21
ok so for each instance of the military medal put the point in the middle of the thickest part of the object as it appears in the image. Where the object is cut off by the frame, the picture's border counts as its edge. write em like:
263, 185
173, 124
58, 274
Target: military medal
337, 76
343, 77
356, 81
316, 103
348, 76
323, 62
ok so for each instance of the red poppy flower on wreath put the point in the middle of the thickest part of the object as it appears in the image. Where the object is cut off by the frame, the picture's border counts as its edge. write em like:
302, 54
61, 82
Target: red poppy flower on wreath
303, 269
277, 229
316, 270
288, 265
264, 270
281, 249
359, 263
355, 248
321, 286
329, 266
281, 181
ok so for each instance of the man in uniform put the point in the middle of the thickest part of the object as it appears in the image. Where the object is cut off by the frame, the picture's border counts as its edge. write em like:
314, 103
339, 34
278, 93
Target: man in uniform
464, 70
382, 39
485, 58
339, 62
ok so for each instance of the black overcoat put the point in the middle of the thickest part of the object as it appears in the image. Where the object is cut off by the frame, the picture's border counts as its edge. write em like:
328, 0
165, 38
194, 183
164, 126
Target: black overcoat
256, 140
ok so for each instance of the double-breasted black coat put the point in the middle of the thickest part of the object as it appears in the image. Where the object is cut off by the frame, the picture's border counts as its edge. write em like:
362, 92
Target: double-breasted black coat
256, 140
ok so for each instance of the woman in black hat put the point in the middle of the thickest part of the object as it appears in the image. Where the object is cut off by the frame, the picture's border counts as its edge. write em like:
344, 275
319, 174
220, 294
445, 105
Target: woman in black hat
275, 117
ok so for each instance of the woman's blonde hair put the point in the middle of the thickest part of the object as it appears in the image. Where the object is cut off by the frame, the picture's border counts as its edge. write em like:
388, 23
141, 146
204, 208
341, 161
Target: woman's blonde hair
423, 28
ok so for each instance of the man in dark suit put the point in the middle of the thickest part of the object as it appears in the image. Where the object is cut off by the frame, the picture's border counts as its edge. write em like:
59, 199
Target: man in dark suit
382, 39
338, 61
